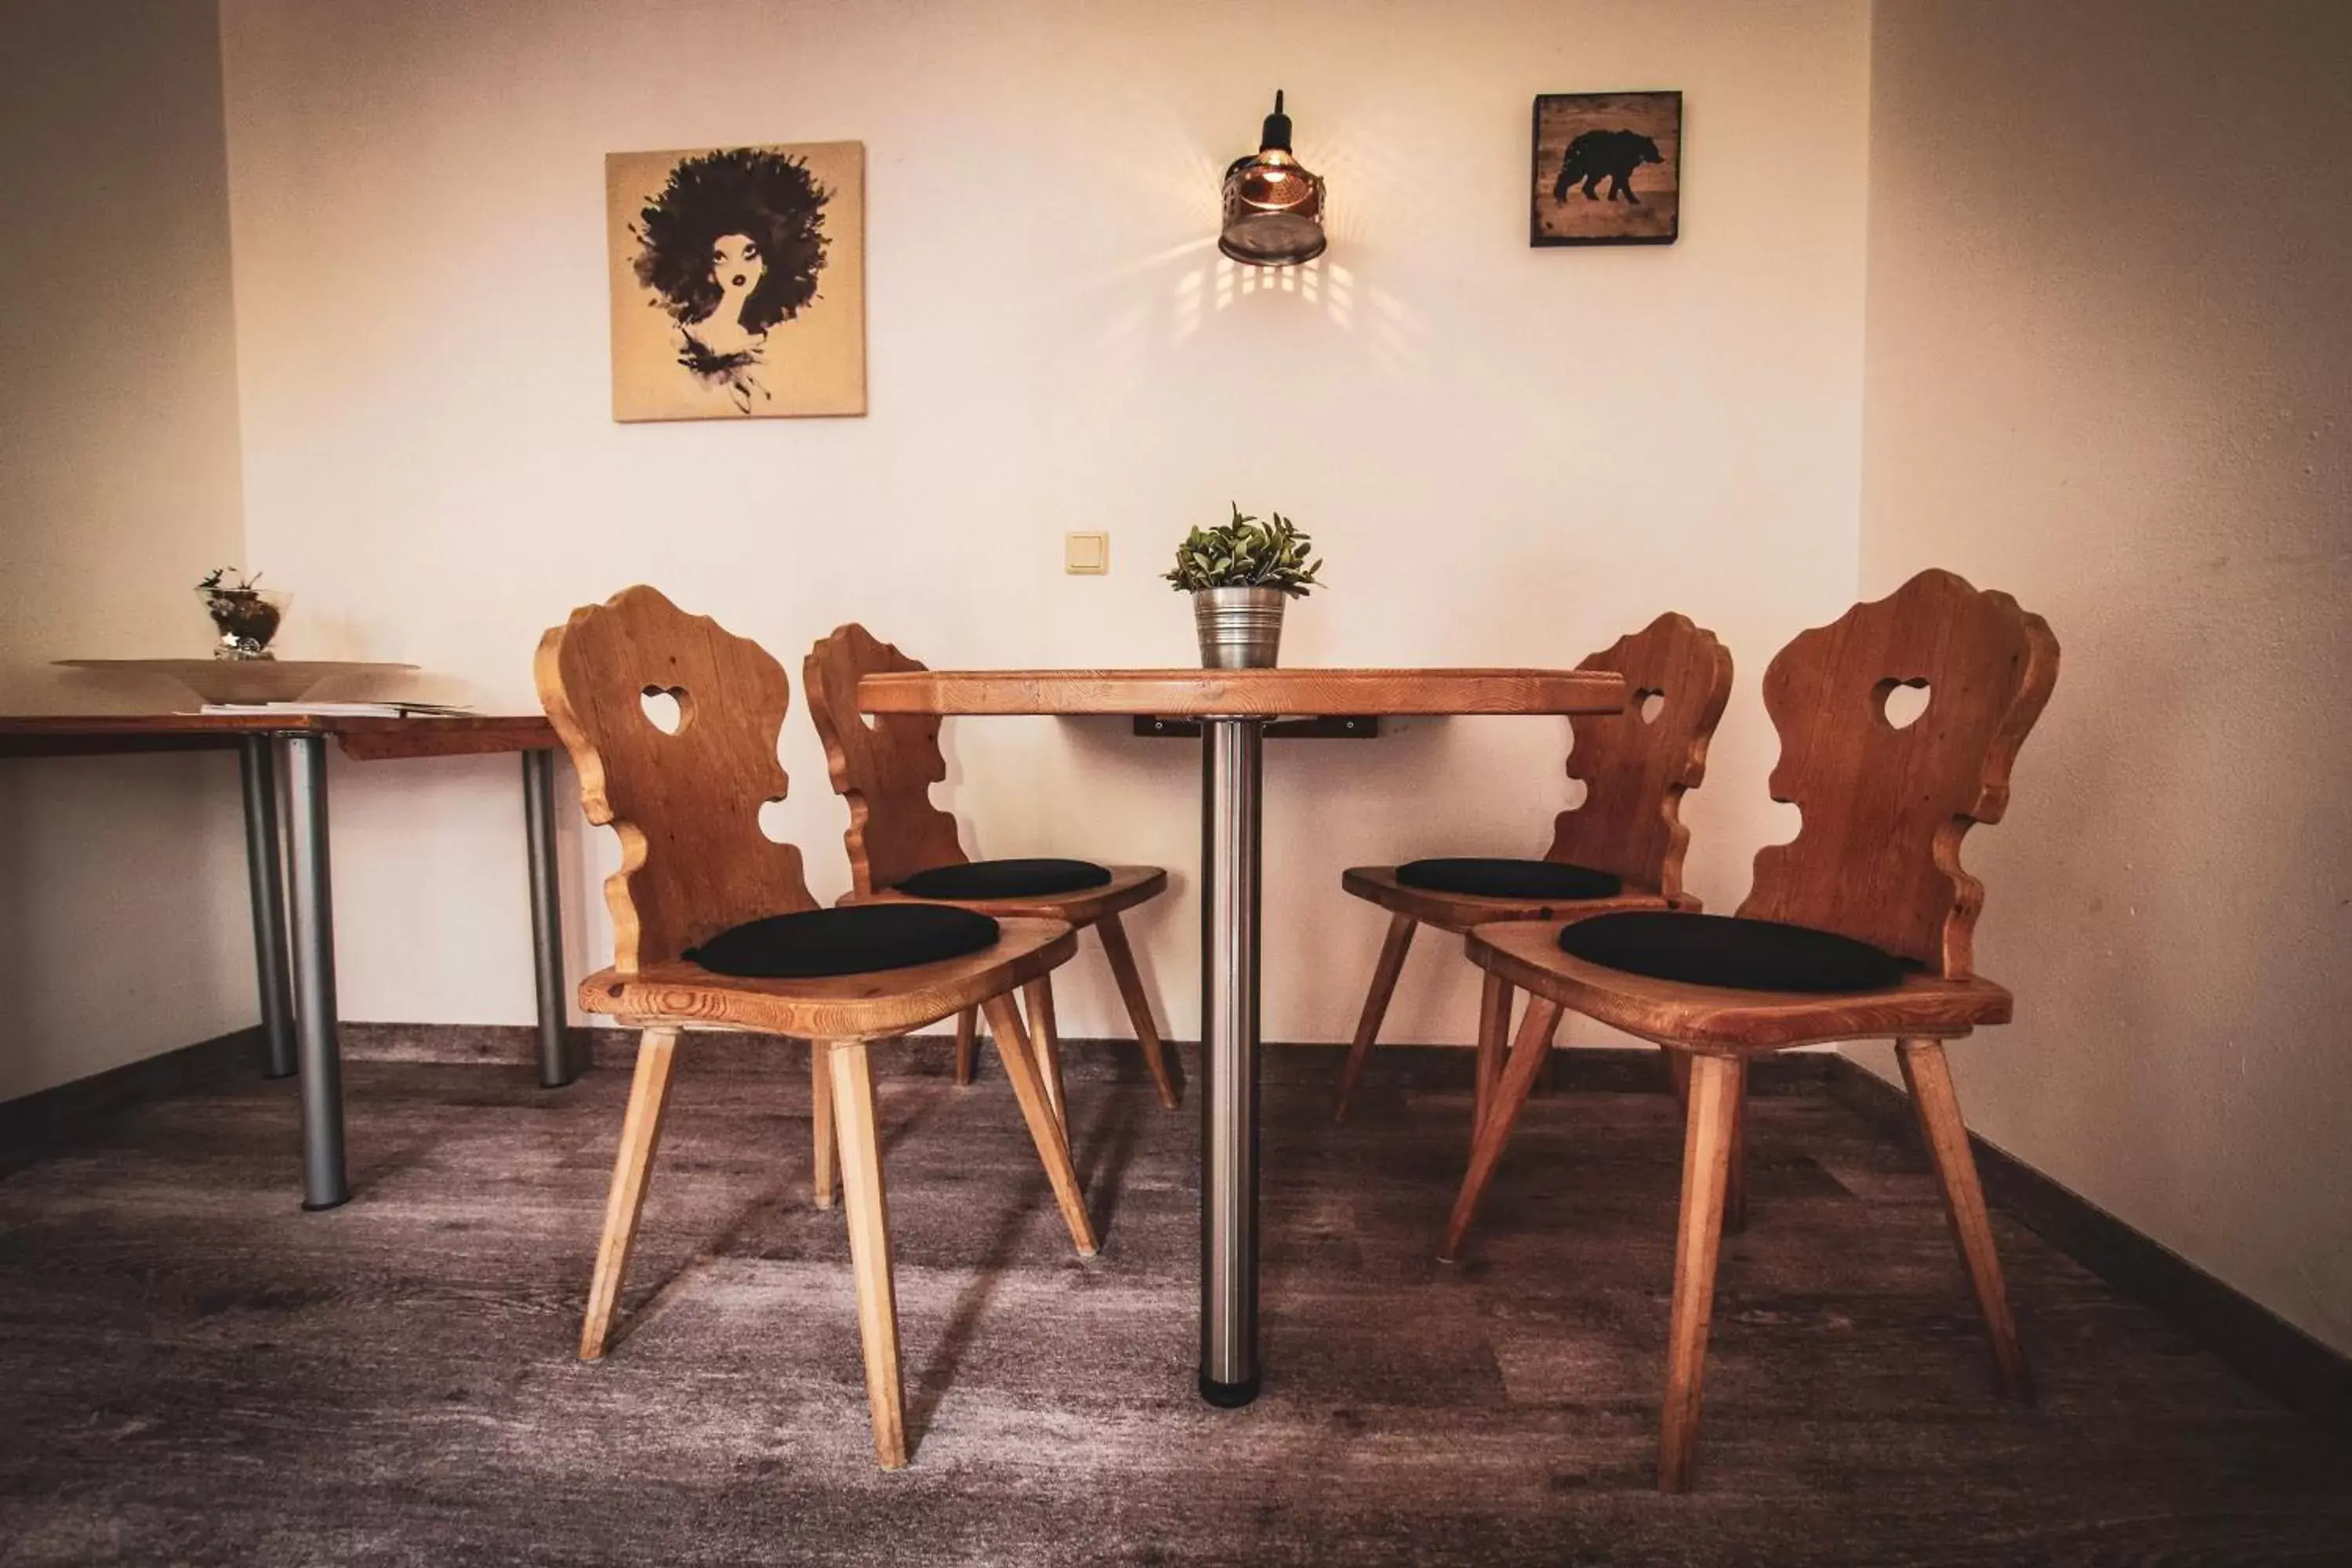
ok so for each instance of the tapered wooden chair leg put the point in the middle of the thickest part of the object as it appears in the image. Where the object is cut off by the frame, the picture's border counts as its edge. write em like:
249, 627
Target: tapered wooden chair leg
640, 1134
824, 1172
1138, 1006
1528, 1053
1494, 1036
1929, 1077
1045, 1129
1394, 947
1706, 1164
967, 1045
867, 1205
1735, 1192
1045, 1042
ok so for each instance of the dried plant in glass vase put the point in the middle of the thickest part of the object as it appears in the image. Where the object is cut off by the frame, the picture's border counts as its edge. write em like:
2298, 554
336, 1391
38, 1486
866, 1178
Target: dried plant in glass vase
245, 616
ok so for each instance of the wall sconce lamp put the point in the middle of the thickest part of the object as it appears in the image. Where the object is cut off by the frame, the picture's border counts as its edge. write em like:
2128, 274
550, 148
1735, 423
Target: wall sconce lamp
1274, 208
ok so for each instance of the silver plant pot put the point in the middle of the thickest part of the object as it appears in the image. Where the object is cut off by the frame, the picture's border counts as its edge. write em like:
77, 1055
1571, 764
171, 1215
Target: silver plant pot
1241, 628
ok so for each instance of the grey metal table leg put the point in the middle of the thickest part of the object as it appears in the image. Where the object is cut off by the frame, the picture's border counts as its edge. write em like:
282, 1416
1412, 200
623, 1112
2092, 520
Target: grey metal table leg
323, 1182
1231, 757
264, 870
556, 1068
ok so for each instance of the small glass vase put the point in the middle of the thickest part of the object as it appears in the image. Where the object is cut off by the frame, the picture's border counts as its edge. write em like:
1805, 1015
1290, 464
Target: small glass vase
243, 619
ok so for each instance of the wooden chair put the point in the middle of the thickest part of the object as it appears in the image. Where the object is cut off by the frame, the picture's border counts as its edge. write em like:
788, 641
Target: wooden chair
1871, 884
698, 878
902, 847
1620, 848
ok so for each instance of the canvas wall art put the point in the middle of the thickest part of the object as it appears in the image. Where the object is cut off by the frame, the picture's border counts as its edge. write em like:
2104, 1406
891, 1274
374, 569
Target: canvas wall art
739, 281
1608, 169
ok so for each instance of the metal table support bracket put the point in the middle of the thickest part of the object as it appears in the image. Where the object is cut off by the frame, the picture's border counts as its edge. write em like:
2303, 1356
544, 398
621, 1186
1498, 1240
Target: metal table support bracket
1232, 754
1337, 727
556, 1067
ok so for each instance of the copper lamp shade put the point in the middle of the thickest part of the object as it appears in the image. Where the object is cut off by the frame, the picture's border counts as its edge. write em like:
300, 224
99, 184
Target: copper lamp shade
1274, 206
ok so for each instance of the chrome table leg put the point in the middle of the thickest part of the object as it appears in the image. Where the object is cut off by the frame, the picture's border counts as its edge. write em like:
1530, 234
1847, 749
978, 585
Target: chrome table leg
323, 1182
257, 765
1231, 775
556, 1068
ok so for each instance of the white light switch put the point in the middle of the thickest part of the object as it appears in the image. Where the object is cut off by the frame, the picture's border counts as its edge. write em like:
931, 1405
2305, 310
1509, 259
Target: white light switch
1086, 555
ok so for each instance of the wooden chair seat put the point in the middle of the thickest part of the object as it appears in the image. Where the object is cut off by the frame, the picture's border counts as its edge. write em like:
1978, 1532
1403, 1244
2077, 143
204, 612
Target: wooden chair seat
868, 1006
1461, 912
1719, 1020
1128, 886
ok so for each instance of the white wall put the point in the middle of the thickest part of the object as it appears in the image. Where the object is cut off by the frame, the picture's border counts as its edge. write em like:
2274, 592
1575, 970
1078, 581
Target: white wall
123, 912
2110, 350
1508, 455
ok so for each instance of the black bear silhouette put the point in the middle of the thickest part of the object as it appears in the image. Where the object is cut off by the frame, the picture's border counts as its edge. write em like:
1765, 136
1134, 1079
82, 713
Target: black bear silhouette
1612, 155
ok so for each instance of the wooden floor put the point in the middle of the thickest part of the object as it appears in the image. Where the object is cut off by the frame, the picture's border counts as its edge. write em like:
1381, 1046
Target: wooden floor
193, 1371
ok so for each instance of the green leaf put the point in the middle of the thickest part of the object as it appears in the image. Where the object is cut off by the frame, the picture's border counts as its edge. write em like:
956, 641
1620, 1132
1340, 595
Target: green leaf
1244, 552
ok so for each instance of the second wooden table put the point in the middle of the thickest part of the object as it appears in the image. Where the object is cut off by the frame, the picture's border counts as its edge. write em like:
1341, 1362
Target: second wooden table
299, 1018
1233, 705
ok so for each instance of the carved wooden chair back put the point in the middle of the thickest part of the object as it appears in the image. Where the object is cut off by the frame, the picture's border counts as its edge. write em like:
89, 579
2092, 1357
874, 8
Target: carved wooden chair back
1636, 765
686, 804
884, 765
1877, 856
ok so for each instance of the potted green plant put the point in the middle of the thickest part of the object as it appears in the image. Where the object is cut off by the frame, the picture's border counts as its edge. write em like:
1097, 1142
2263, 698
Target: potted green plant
1240, 574
245, 615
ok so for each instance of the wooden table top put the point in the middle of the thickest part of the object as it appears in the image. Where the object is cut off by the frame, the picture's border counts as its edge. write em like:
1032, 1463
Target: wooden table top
1243, 693
369, 737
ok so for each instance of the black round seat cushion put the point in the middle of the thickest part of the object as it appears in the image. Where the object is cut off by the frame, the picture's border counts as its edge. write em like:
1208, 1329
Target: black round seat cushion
1005, 879
1497, 878
1724, 950
858, 940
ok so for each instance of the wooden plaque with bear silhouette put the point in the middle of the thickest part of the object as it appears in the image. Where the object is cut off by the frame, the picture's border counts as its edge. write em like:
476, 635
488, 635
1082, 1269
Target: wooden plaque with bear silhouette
1608, 169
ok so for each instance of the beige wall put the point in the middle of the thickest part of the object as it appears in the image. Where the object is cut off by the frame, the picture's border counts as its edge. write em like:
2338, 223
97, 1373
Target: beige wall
124, 914
2110, 349
1508, 455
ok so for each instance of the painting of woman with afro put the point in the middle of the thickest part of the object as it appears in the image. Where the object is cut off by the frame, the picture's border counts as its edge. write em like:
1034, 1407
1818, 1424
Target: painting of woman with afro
738, 281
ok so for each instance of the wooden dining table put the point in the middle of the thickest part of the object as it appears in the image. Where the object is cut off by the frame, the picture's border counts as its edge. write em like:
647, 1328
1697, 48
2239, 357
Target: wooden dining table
1233, 706
299, 1018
